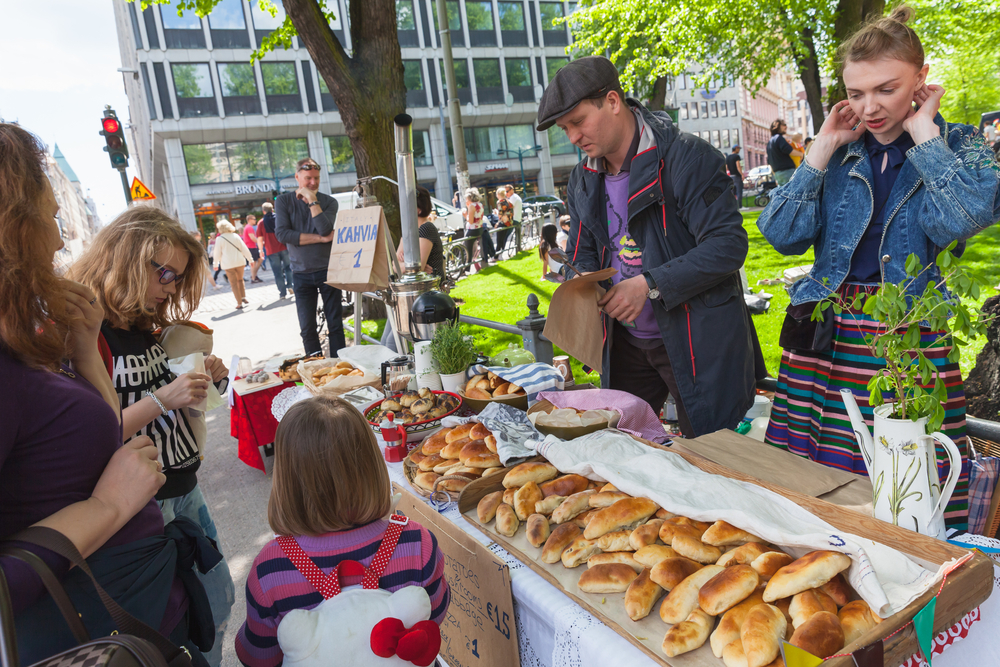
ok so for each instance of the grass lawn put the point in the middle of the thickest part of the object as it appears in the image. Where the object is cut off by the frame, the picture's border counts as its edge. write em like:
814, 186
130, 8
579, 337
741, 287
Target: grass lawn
499, 293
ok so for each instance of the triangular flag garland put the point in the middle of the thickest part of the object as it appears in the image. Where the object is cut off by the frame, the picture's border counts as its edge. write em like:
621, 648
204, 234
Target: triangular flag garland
797, 657
872, 655
923, 623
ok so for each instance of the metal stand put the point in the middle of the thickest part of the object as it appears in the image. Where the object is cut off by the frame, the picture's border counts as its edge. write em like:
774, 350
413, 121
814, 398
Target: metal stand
125, 187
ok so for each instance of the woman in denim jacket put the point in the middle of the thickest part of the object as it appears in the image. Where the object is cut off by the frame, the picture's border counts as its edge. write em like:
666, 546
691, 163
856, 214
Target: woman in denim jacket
881, 181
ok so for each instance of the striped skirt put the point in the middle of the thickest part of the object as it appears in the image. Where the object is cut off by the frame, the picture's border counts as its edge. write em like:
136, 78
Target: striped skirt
809, 417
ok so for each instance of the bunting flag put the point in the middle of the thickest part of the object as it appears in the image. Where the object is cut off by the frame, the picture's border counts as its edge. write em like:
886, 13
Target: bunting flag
796, 657
923, 623
870, 656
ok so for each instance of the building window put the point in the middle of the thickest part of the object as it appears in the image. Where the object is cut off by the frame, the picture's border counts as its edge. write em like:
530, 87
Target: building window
559, 143
249, 161
553, 33
150, 21
193, 85
519, 79
715, 139
725, 138
461, 80
552, 66
682, 113
413, 79
683, 81
512, 28
694, 111
239, 89
723, 108
480, 19
135, 25
324, 95
181, 31
229, 26
704, 109
732, 108
206, 163
406, 23
422, 149
489, 85
149, 92
281, 86
285, 155
454, 22
715, 109
263, 23
339, 156
521, 136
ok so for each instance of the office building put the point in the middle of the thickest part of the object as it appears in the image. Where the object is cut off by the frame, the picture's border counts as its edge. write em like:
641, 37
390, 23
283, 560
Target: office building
77, 217
711, 111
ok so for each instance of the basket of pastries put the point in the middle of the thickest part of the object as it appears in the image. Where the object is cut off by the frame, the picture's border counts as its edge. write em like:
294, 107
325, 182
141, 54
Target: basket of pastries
489, 387
419, 411
451, 458
334, 376
289, 369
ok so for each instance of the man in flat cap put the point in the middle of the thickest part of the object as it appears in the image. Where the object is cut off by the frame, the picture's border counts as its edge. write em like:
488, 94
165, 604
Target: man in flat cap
656, 204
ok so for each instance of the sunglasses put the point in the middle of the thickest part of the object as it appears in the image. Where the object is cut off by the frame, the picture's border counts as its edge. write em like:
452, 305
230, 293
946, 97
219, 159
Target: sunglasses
309, 167
166, 275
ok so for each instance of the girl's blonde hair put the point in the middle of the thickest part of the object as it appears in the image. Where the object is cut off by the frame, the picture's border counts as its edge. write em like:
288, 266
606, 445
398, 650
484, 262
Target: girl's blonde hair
328, 472
118, 262
885, 37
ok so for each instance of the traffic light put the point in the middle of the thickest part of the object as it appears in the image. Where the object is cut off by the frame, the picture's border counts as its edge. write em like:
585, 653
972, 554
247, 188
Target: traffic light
114, 137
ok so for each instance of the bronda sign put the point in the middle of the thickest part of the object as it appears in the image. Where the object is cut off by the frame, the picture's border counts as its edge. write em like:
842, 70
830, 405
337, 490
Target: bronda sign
254, 188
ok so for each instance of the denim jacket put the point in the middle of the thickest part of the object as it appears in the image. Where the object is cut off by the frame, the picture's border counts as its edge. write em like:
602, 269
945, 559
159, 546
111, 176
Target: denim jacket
947, 190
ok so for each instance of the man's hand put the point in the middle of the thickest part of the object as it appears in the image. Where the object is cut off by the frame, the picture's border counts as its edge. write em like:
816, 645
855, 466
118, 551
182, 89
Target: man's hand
625, 300
306, 195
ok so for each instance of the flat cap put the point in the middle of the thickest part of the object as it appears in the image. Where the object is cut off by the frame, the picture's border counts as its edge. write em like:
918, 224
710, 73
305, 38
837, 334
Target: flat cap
582, 79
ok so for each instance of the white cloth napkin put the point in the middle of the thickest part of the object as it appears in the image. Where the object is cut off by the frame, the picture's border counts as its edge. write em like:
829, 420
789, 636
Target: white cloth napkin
510, 427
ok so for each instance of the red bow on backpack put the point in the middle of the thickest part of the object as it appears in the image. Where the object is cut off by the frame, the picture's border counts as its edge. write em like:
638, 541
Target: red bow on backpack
419, 644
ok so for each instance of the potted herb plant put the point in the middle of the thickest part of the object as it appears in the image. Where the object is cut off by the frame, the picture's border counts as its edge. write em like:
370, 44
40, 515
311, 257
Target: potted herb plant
452, 353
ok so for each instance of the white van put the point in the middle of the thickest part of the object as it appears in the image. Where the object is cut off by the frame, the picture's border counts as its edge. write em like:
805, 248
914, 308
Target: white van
448, 217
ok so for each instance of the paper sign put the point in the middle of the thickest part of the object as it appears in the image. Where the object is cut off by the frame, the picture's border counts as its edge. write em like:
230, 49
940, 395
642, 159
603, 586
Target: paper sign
140, 191
923, 623
358, 258
797, 657
479, 629
574, 318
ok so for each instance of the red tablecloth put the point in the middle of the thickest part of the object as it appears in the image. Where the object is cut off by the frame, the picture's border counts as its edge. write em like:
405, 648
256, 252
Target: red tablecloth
252, 423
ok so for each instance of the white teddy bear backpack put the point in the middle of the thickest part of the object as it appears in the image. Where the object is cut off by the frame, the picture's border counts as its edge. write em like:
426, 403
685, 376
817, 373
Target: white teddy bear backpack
363, 627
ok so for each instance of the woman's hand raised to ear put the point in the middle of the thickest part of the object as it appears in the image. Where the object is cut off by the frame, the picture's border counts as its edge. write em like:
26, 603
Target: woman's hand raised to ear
841, 127
920, 123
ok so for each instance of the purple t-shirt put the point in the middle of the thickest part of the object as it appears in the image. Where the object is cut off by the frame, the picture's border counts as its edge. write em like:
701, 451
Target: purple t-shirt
626, 255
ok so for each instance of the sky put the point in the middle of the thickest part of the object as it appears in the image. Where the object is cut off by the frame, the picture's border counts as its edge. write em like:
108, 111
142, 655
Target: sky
58, 71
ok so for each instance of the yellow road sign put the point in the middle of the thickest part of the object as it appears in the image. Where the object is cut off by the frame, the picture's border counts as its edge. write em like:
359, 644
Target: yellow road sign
140, 191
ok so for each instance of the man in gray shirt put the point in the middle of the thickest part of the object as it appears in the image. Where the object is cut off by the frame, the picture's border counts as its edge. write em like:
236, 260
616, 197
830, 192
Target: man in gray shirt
304, 222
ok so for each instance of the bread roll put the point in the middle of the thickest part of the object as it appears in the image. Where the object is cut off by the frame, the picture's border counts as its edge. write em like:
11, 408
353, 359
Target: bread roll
487, 507
610, 578
646, 534
609, 487
454, 448
447, 465
474, 382
857, 618
768, 563
811, 571
783, 605
805, 604
416, 456
478, 394
728, 630
727, 589
821, 635
479, 431
486, 459
435, 443
762, 633
521, 474
508, 496
559, 540
744, 554
565, 486
569, 508
537, 530
431, 462
664, 514
721, 534
607, 498
547, 505
695, 549
501, 389
625, 513
507, 522
623, 557
459, 432
471, 449
492, 471
688, 635
838, 589
579, 551
491, 443
671, 571
671, 528
683, 599
733, 655
652, 554
641, 595
616, 541
583, 518
525, 499
471, 473
453, 484
425, 480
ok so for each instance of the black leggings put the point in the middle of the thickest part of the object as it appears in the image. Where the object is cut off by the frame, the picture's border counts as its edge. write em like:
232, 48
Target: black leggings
471, 238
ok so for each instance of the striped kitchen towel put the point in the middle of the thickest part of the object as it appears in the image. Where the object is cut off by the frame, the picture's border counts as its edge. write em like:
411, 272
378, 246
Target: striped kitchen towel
637, 417
533, 378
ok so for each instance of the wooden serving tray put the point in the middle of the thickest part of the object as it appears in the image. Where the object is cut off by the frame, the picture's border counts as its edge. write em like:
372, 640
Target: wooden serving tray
965, 588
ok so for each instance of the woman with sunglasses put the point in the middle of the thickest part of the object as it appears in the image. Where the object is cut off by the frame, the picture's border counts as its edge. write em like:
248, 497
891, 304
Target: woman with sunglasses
147, 273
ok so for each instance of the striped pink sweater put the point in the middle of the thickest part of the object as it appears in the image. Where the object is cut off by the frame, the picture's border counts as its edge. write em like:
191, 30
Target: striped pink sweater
275, 587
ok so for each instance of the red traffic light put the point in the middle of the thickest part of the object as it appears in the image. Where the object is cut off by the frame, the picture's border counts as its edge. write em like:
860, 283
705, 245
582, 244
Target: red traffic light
111, 125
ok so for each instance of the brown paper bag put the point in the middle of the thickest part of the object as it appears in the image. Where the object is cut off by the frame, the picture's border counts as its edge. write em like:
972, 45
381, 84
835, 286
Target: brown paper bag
358, 258
574, 319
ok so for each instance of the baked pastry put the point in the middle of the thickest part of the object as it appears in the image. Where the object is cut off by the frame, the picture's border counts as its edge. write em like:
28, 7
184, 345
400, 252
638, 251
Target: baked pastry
733, 655
507, 522
807, 603
623, 557
566, 485
447, 465
435, 443
421, 406
664, 514
425, 392
670, 528
478, 394
471, 473
460, 431
695, 549
722, 534
671, 571
641, 595
610, 578
683, 599
487, 507
762, 633
454, 448
391, 405
770, 562
473, 382
508, 496
431, 462
584, 518
688, 635
857, 618
558, 541
523, 473
727, 589
525, 499
491, 443
492, 471
821, 635
645, 534
416, 456
536, 529
744, 554
652, 554
573, 505
425, 480
579, 551
477, 455
607, 498
479, 431
625, 513
609, 487
447, 401
837, 589
729, 626
343, 363
454, 484
547, 505
408, 398
811, 571
616, 541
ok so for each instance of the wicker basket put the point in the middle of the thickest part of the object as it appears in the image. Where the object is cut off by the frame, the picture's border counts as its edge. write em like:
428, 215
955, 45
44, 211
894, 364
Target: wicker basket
410, 470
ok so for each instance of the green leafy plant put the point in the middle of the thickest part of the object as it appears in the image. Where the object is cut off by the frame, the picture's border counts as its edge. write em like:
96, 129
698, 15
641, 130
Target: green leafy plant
908, 370
451, 350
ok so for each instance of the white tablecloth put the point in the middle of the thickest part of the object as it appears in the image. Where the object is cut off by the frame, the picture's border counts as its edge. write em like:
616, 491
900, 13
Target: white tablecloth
554, 631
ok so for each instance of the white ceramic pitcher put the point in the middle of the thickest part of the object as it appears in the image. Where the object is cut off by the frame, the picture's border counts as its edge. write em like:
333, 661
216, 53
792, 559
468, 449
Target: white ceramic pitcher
902, 466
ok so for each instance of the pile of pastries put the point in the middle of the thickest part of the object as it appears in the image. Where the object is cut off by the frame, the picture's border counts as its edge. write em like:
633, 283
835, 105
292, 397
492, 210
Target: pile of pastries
321, 376
718, 583
411, 407
289, 370
467, 452
489, 385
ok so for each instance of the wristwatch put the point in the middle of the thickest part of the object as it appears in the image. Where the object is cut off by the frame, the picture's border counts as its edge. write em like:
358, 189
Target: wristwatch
654, 292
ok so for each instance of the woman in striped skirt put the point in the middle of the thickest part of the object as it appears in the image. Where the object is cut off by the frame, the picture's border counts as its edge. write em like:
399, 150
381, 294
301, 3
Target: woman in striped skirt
885, 177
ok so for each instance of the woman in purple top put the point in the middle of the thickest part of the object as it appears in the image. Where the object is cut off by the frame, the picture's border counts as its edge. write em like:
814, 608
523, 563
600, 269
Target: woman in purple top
62, 463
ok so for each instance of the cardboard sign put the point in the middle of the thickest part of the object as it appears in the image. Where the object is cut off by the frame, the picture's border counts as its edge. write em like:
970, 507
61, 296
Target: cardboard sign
574, 318
358, 259
479, 629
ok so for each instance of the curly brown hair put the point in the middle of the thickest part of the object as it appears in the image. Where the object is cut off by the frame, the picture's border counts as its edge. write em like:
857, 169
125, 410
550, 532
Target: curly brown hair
33, 320
118, 262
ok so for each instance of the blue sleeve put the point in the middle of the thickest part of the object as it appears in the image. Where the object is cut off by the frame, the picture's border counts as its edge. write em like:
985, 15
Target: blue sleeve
582, 247
793, 219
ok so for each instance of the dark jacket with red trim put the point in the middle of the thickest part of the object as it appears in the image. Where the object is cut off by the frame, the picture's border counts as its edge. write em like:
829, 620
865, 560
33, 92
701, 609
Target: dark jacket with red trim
684, 217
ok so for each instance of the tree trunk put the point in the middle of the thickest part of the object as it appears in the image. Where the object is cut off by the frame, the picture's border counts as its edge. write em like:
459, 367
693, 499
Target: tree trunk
850, 15
982, 387
658, 99
811, 81
367, 85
